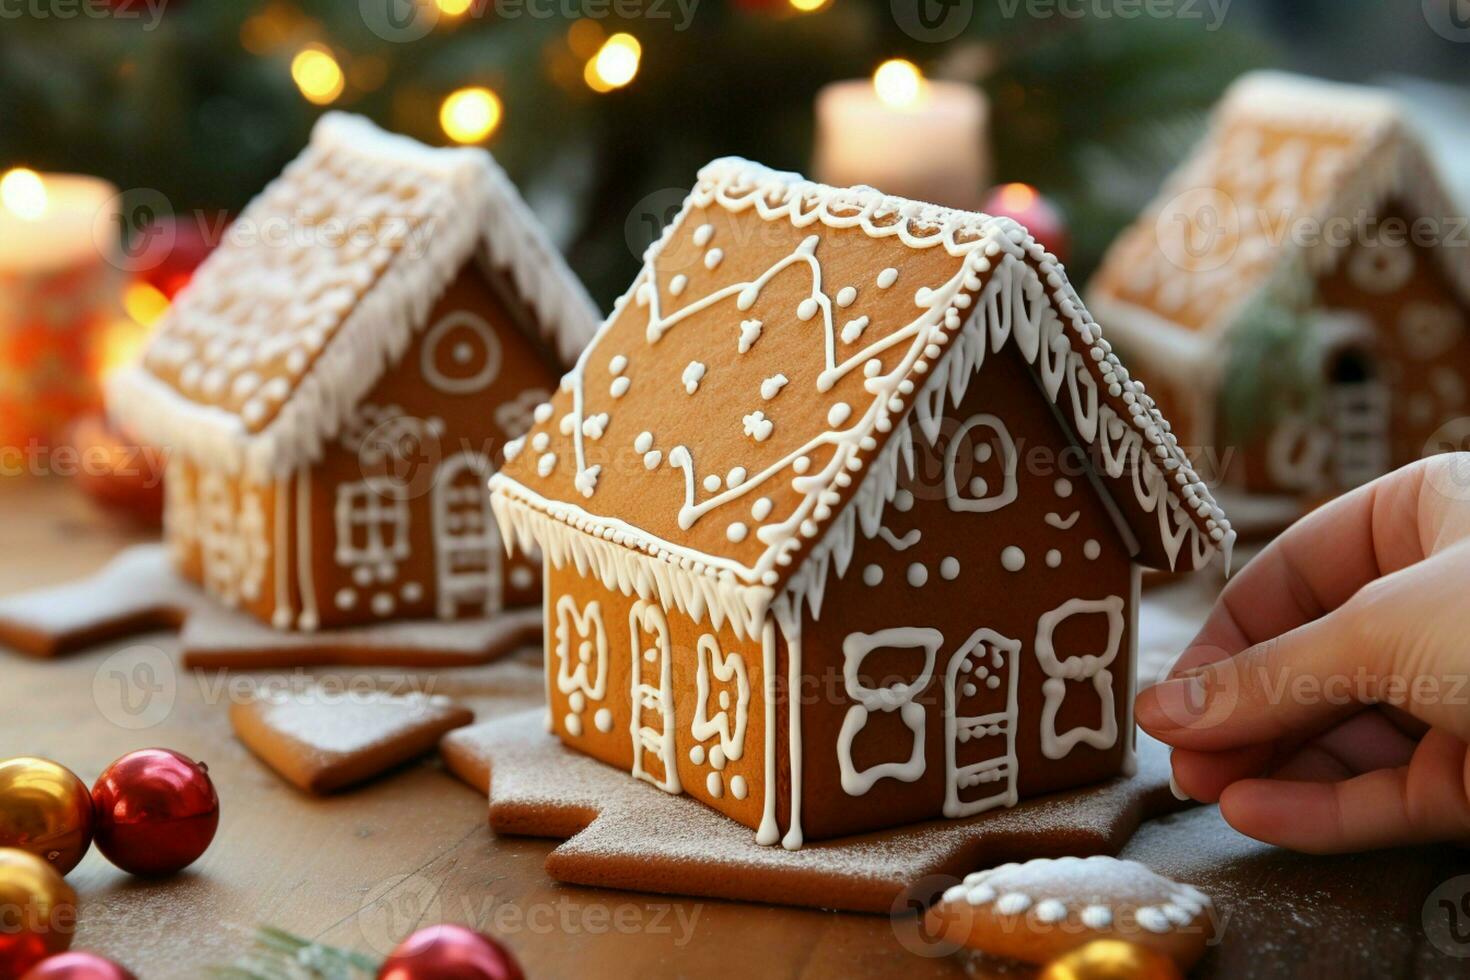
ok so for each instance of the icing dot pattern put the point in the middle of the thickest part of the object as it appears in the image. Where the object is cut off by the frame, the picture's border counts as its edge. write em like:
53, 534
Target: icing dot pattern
1093, 892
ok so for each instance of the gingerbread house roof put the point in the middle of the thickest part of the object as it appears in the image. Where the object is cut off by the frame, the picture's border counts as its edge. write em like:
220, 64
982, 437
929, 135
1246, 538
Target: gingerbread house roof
1287, 160
320, 285
745, 408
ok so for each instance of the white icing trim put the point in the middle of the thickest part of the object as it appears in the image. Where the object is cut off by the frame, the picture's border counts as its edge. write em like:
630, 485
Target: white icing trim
789, 619
1003, 767
769, 831
894, 697
725, 667
1080, 667
648, 618
473, 210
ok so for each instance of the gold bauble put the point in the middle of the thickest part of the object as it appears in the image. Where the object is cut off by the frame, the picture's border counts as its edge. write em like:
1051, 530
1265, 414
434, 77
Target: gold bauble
46, 810
1111, 959
38, 911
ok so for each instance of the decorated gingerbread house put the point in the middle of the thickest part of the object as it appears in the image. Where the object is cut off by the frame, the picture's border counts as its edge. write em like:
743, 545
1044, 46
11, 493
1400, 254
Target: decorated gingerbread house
842, 515
336, 379
1298, 292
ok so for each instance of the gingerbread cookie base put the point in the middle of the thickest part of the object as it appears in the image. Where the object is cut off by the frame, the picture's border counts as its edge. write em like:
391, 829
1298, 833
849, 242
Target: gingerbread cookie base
623, 833
138, 592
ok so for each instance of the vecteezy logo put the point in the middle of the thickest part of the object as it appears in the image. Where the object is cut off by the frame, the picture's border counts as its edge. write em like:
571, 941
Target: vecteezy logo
1450, 477
1446, 917
1198, 230
399, 21
1450, 19
142, 221
646, 222
394, 908
913, 927
932, 21
135, 688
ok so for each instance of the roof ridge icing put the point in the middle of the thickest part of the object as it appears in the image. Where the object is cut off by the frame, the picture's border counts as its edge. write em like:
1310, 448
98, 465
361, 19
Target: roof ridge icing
996, 297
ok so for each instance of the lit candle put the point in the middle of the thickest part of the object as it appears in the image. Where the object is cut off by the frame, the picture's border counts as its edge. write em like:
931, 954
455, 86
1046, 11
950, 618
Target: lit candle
905, 135
59, 280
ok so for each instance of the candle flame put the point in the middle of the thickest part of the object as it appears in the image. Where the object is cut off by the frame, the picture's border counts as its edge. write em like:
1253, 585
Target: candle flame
615, 64
23, 193
899, 83
807, 6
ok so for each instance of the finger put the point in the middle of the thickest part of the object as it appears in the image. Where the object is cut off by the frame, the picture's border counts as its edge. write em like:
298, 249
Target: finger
1425, 801
1203, 776
1257, 696
1363, 743
1369, 532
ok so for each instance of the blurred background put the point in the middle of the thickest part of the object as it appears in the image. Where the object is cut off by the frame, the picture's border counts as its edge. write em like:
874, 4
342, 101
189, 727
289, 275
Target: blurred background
602, 111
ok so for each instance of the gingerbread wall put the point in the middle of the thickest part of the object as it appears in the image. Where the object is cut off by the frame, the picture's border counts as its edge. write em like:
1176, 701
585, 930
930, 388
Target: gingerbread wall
933, 567
591, 700
230, 536
1419, 344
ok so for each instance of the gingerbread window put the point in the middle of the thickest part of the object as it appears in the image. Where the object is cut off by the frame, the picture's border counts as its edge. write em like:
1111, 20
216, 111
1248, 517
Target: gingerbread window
898, 697
372, 524
1063, 665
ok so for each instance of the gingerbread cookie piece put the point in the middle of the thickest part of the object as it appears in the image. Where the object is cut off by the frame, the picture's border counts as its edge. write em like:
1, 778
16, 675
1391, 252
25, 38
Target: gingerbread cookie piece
323, 741
628, 835
1038, 910
139, 592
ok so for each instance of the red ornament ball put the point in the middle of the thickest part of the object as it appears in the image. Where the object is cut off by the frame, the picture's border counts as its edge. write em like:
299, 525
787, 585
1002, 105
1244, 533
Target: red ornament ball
156, 812
1024, 205
77, 966
449, 953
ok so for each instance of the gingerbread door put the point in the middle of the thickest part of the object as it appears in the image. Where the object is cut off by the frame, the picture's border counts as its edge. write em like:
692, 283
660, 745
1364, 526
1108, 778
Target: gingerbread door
980, 724
1358, 411
467, 551
652, 693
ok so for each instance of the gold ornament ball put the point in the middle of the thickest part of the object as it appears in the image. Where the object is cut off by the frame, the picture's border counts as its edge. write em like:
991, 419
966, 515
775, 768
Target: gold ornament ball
46, 810
39, 911
1111, 959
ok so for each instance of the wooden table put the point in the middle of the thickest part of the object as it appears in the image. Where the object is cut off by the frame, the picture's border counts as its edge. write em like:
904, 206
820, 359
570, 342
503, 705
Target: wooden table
365, 868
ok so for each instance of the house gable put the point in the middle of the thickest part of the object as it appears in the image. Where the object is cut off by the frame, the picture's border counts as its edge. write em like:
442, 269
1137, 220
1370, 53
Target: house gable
979, 571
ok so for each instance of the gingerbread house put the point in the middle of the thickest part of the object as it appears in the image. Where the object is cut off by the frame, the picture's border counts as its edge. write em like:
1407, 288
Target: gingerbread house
335, 381
1298, 292
842, 515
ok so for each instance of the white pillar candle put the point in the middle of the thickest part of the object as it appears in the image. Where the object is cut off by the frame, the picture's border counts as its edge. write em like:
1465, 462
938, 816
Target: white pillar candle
905, 135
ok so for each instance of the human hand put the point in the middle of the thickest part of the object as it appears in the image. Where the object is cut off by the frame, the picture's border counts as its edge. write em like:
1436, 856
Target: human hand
1326, 702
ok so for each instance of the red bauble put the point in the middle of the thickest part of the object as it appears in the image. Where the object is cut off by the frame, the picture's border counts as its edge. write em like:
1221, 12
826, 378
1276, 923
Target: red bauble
156, 812
449, 953
77, 966
1023, 204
